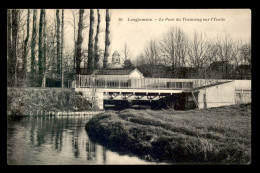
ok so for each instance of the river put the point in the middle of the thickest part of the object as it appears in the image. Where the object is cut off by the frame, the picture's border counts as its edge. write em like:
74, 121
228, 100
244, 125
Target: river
50, 140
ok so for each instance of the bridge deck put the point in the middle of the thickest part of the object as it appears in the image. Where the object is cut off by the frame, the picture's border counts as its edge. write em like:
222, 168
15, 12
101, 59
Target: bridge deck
142, 84
133, 90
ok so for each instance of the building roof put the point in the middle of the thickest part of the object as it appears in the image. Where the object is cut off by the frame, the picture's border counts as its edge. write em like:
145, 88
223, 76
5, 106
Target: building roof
113, 72
116, 53
116, 65
210, 85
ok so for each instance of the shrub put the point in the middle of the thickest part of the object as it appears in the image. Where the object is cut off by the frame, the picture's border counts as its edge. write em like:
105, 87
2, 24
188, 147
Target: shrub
23, 101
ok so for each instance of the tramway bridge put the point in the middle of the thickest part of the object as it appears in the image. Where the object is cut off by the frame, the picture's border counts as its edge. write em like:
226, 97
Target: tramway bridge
182, 92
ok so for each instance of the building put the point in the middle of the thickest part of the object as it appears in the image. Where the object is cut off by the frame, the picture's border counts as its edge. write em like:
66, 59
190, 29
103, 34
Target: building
215, 95
116, 64
115, 75
118, 73
222, 93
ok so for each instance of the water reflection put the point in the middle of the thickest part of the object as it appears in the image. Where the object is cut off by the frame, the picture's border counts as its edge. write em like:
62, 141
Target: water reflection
57, 140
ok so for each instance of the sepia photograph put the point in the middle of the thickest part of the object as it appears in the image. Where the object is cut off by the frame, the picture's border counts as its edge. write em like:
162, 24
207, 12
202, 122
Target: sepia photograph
128, 86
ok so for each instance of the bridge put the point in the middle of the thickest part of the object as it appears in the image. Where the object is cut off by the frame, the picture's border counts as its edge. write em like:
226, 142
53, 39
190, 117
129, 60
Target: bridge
130, 89
121, 83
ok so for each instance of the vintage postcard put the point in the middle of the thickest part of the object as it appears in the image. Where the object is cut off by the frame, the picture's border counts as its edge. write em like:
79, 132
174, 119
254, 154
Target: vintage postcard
128, 86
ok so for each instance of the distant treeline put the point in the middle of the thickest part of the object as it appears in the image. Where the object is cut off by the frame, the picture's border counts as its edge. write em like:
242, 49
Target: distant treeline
177, 55
213, 72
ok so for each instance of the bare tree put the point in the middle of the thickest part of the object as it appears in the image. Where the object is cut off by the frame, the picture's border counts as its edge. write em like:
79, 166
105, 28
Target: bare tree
246, 53
25, 46
107, 41
96, 55
40, 46
19, 46
173, 48
49, 49
12, 24
9, 47
58, 40
75, 14
9, 37
241, 57
90, 64
33, 44
151, 55
167, 48
79, 41
225, 48
198, 51
126, 52
181, 47
44, 50
62, 46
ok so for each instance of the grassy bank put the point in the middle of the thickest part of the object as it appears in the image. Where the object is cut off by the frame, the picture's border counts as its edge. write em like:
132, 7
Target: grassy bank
22, 101
216, 135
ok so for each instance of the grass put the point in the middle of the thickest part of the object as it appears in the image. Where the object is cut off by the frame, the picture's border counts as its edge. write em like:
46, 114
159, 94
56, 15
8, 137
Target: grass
22, 101
217, 135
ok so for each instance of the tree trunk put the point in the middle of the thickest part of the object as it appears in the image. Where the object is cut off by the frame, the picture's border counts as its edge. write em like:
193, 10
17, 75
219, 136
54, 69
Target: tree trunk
17, 72
9, 46
40, 47
62, 45
90, 44
25, 51
75, 41
107, 42
79, 41
33, 43
96, 56
13, 59
58, 40
44, 51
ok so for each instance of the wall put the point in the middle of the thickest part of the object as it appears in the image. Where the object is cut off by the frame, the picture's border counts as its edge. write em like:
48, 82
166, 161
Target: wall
136, 74
219, 95
243, 91
243, 97
245, 84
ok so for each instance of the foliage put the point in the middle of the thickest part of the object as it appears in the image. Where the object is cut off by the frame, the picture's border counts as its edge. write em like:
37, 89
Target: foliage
22, 101
216, 135
128, 64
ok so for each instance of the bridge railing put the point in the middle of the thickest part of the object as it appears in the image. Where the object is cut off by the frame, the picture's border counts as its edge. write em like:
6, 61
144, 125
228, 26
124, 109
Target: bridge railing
88, 81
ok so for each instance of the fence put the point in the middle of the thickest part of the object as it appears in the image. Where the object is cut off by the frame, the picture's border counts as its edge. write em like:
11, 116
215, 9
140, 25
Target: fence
87, 81
243, 95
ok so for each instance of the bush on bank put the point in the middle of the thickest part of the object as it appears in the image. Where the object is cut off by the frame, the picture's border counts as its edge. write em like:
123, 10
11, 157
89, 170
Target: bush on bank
217, 135
22, 101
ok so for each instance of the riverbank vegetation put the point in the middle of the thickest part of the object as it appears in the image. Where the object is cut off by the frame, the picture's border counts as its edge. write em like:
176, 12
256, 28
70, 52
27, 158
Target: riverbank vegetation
215, 135
23, 101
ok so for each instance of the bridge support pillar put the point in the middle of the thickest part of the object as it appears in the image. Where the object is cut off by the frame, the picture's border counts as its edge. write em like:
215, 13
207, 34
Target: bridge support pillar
88, 94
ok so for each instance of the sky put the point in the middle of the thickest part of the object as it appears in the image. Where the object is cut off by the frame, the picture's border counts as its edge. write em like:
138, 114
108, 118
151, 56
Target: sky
125, 27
